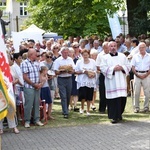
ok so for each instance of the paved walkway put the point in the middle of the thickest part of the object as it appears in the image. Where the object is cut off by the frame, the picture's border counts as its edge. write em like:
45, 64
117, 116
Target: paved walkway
121, 136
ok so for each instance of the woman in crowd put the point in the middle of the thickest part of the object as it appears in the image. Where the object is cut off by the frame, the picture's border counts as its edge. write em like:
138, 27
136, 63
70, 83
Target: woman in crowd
93, 55
77, 53
49, 64
55, 49
18, 88
86, 80
74, 92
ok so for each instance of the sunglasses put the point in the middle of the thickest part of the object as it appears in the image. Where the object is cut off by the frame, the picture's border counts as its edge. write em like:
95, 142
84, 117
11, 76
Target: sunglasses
55, 47
76, 47
38, 55
49, 57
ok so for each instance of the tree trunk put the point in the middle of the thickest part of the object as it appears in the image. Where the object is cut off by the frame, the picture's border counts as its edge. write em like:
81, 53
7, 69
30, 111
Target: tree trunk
137, 17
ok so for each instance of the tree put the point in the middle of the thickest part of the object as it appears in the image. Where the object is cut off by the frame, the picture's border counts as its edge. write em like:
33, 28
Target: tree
73, 17
138, 17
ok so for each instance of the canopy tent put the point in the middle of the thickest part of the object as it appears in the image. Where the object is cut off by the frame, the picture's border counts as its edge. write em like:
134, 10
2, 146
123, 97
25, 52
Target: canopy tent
33, 28
32, 32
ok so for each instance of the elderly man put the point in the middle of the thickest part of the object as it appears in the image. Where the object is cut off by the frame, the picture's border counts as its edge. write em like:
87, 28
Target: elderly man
141, 69
31, 88
64, 67
102, 96
120, 46
96, 45
115, 68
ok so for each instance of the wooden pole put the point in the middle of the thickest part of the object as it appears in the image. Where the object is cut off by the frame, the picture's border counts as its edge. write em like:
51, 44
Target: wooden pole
17, 25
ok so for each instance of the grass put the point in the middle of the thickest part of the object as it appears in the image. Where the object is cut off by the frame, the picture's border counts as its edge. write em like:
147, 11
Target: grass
76, 119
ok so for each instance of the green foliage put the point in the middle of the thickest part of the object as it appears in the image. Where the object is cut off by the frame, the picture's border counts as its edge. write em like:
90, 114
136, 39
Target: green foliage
73, 17
139, 22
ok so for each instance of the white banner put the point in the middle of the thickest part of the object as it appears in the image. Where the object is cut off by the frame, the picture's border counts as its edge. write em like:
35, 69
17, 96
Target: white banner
114, 25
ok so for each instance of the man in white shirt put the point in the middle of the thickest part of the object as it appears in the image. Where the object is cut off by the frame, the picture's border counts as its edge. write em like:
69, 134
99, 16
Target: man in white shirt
135, 50
141, 69
96, 45
64, 78
102, 95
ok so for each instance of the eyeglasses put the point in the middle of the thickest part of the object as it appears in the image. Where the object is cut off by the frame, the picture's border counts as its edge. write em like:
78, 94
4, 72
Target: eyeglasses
38, 55
76, 47
49, 57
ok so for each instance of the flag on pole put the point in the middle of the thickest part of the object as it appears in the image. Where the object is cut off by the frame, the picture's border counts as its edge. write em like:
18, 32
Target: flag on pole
9, 7
4, 98
114, 25
7, 77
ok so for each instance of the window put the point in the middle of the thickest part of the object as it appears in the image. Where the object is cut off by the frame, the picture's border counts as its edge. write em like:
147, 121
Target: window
2, 4
23, 9
3, 7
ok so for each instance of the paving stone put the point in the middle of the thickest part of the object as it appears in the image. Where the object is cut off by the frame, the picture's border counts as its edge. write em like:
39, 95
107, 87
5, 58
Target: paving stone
121, 136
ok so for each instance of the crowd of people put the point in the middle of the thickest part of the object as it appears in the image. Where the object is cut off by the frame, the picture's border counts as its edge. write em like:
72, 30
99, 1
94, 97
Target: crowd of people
75, 70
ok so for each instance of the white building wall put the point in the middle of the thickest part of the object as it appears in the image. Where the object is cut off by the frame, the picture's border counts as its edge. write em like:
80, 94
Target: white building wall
13, 17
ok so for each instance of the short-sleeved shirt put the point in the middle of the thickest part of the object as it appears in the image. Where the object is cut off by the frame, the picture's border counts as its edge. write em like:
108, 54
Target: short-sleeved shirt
99, 58
141, 64
32, 70
60, 62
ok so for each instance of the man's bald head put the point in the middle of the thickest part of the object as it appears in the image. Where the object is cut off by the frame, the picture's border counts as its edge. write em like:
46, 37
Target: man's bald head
142, 48
32, 54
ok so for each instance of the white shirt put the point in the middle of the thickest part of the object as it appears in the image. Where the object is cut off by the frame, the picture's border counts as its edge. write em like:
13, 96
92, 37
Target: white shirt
17, 73
83, 79
141, 64
134, 51
99, 49
61, 62
99, 58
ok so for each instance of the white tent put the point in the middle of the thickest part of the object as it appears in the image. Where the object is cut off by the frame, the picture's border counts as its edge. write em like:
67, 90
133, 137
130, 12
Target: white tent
32, 32
33, 28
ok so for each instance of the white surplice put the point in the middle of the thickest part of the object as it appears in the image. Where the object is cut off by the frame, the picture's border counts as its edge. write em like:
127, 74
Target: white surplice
115, 82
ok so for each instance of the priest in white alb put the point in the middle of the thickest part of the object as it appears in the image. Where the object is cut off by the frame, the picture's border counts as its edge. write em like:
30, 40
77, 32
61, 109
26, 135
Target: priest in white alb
115, 67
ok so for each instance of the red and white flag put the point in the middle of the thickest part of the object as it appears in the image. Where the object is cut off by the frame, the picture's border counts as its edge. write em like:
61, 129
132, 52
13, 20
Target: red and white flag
5, 69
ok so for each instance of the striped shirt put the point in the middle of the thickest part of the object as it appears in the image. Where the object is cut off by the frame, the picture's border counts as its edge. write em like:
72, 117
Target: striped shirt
32, 70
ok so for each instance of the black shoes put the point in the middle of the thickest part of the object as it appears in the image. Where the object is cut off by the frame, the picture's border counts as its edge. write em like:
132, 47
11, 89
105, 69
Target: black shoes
114, 121
93, 107
66, 116
76, 109
102, 112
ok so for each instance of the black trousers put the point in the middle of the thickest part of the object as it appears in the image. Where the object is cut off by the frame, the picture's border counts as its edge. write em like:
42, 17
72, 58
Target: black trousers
116, 107
102, 94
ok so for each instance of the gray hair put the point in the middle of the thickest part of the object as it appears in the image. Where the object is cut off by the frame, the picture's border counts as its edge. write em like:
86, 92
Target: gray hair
105, 43
64, 48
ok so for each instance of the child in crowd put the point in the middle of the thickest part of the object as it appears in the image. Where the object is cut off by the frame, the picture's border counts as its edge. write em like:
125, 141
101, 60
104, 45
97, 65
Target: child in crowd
45, 90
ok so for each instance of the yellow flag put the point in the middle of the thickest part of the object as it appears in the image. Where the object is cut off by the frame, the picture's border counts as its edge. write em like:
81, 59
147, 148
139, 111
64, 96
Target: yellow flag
4, 98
